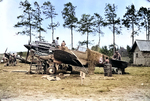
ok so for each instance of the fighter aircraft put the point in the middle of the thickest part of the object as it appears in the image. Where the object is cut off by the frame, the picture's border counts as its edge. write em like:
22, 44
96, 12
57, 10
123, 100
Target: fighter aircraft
52, 59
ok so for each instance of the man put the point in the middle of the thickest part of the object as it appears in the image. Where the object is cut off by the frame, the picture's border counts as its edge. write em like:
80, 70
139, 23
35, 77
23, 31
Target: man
107, 68
53, 43
63, 45
14, 58
116, 56
56, 42
106, 60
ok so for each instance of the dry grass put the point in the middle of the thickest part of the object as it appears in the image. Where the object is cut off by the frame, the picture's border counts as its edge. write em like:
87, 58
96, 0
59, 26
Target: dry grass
15, 83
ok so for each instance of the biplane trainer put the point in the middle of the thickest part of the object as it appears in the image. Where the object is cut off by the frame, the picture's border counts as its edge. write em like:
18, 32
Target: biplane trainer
50, 59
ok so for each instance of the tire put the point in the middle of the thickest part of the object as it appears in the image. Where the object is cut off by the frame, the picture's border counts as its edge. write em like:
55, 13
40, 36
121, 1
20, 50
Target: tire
115, 70
51, 71
69, 68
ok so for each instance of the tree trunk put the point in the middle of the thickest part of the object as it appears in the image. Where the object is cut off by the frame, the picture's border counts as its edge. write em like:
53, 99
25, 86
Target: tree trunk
40, 36
146, 32
148, 29
71, 38
114, 38
132, 32
87, 40
52, 33
52, 28
30, 26
39, 24
99, 38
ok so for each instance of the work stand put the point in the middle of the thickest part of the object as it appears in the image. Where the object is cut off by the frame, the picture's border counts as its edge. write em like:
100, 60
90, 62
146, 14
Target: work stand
36, 65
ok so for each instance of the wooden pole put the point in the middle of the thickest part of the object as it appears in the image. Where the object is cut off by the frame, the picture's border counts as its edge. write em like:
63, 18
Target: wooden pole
82, 75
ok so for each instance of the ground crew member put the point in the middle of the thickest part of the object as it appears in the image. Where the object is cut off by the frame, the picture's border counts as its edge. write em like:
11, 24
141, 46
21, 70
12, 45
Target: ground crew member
63, 45
53, 43
56, 42
14, 58
116, 56
107, 60
107, 68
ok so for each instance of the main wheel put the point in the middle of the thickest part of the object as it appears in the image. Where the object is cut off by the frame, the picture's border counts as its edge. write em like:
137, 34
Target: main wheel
69, 68
114, 70
51, 71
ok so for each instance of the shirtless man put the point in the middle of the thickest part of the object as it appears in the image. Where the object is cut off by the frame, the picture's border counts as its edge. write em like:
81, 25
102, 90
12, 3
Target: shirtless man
117, 56
63, 45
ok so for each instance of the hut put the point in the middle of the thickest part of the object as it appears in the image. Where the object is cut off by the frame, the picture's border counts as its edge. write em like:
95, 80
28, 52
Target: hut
141, 52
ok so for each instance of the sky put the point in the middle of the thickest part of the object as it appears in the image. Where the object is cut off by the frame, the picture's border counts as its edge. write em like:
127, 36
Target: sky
9, 10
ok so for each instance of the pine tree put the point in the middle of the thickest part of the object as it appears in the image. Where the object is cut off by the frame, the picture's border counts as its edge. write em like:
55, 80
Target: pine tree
112, 21
86, 25
99, 22
70, 20
26, 19
131, 20
144, 16
49, 11
38, 20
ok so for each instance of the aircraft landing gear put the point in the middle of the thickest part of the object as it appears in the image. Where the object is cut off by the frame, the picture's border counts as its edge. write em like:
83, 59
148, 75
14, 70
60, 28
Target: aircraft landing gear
51, 70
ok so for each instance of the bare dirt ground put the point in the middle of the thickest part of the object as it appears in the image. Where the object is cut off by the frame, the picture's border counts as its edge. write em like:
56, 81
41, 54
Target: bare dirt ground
19, 86
114, 95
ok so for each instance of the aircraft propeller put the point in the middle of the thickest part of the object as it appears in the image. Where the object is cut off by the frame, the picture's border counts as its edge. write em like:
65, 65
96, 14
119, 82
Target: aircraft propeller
28, 47
6, 50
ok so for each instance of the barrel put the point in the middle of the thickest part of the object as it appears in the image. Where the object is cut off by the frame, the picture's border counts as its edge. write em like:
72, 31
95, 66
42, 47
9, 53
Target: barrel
108, 70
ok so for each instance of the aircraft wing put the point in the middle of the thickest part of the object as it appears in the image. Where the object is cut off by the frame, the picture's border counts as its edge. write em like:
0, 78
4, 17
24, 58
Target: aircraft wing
66, 58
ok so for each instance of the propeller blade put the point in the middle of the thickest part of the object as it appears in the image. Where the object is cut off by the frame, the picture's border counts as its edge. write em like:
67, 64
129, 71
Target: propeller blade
6, 50
27, 54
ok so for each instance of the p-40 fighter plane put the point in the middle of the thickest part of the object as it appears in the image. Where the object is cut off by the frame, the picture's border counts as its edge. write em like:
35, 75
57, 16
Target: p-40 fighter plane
51, 59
